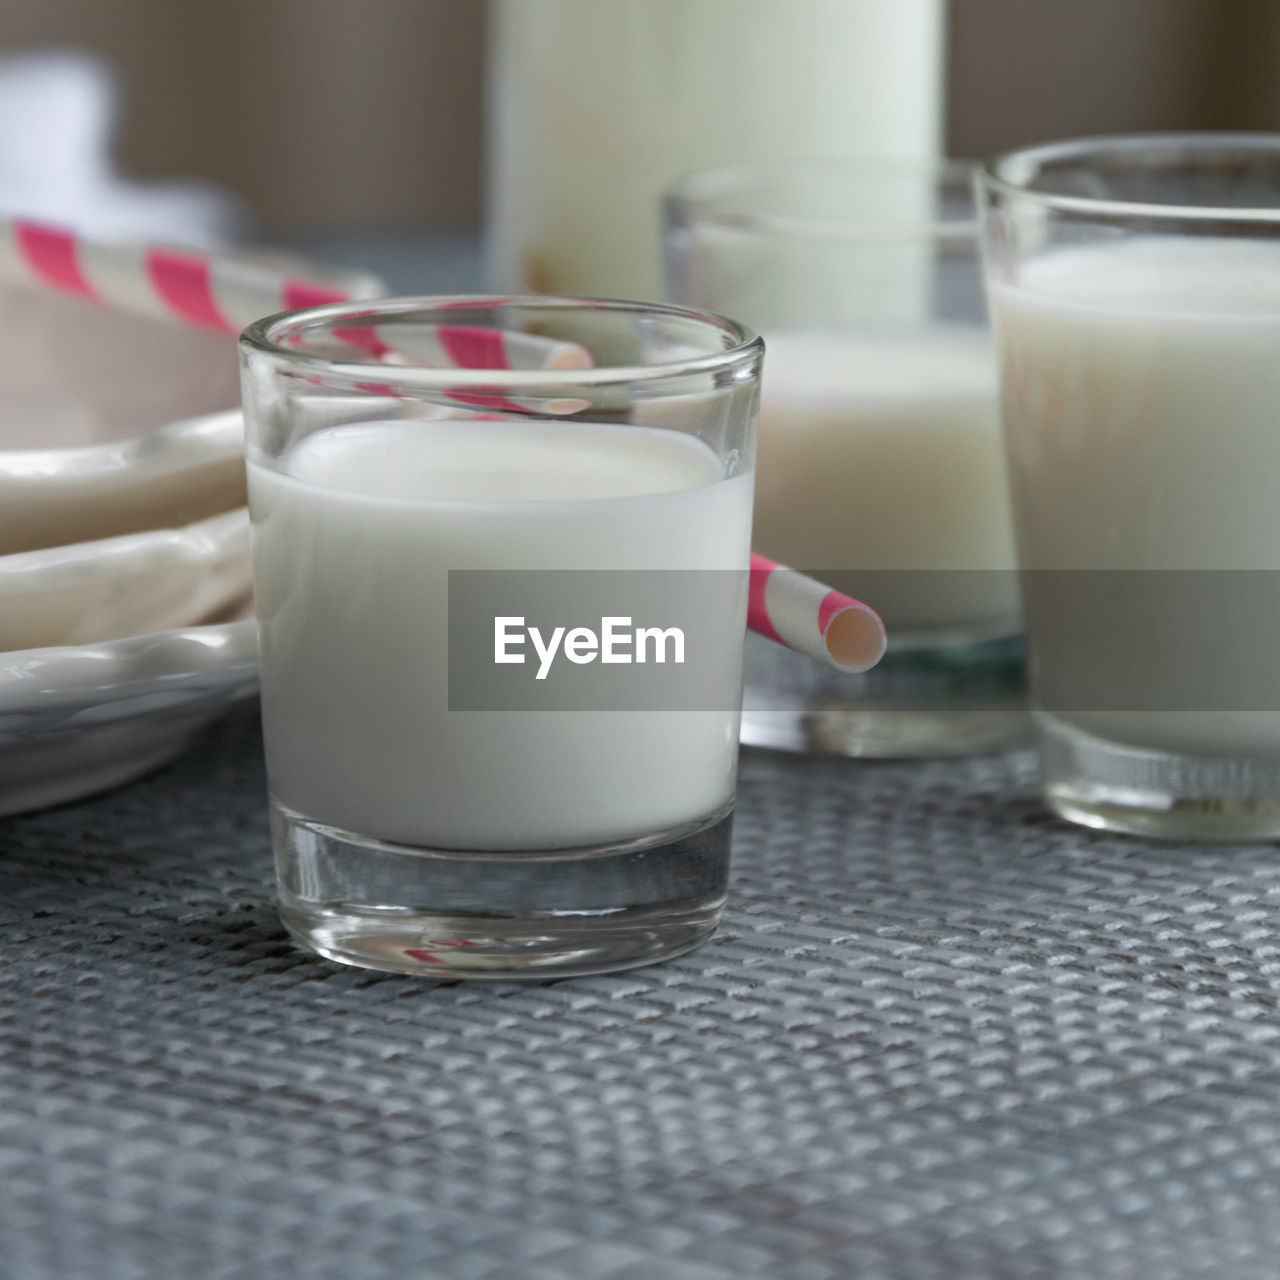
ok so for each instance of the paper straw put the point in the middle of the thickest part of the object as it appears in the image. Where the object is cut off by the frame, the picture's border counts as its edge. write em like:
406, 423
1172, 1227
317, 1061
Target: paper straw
465, 346
218, 291
226, 291
478, 349
795, 611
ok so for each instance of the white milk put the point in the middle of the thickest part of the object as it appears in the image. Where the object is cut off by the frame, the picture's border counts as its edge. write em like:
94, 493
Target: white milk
352, 547
882, 451
1141, 391
596, 105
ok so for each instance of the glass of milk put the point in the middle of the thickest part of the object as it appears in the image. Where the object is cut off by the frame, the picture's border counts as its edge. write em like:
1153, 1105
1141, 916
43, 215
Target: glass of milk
501, 621
1135, 293
880, 464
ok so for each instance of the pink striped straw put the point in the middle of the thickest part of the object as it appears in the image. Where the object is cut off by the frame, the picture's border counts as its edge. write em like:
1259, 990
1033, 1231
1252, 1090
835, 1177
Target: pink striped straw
795, 611
469, 346
480, 347
218, 291
226, 291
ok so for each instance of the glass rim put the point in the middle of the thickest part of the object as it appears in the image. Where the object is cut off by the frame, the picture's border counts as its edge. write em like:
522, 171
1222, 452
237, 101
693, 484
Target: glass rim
691, 189
994, 174
265, 337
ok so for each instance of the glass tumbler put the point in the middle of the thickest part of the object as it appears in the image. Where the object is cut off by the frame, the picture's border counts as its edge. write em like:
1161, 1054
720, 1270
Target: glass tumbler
500, 554
880, 465
1135, 293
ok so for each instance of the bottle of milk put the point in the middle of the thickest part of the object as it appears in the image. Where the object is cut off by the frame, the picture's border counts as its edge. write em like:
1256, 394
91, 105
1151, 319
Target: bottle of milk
595, 105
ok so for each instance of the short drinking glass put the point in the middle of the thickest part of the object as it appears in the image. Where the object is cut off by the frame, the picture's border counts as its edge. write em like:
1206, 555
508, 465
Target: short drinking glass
1135, 294
880, 467
499, 555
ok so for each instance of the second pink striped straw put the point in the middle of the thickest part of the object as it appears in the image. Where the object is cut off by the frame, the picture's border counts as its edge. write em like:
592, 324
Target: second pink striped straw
802, 614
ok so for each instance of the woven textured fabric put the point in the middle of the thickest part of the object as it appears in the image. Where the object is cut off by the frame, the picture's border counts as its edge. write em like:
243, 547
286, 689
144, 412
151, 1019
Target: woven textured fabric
940, 1035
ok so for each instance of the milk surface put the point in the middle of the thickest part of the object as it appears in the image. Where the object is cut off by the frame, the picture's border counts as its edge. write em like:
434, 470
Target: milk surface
882, 451
353, 541
1141, 394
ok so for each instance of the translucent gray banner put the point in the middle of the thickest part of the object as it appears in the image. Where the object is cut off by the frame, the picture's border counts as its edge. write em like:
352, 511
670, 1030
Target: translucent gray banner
1174, 640
1154, 640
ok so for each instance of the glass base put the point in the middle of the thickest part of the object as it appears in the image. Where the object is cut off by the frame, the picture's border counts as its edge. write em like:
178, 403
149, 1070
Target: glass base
958, 699
500, 916
1112, 787
837, 730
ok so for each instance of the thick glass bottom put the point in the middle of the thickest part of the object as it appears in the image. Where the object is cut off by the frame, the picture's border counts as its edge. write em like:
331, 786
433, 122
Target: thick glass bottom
951, 700
871, 733
503, 915
1113, 787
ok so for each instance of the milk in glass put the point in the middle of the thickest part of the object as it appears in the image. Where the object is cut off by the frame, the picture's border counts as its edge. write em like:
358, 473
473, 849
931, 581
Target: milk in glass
355, 532
881, 451
1141, 394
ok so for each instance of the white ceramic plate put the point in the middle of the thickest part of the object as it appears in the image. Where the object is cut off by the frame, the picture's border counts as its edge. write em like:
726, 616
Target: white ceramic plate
174, 474
80, 719
141, 582
87, 396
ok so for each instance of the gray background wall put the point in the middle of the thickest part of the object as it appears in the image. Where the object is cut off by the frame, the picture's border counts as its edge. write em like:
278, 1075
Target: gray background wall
331, 114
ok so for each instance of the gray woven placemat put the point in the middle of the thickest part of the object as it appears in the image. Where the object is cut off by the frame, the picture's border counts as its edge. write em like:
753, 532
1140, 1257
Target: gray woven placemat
940, 1035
